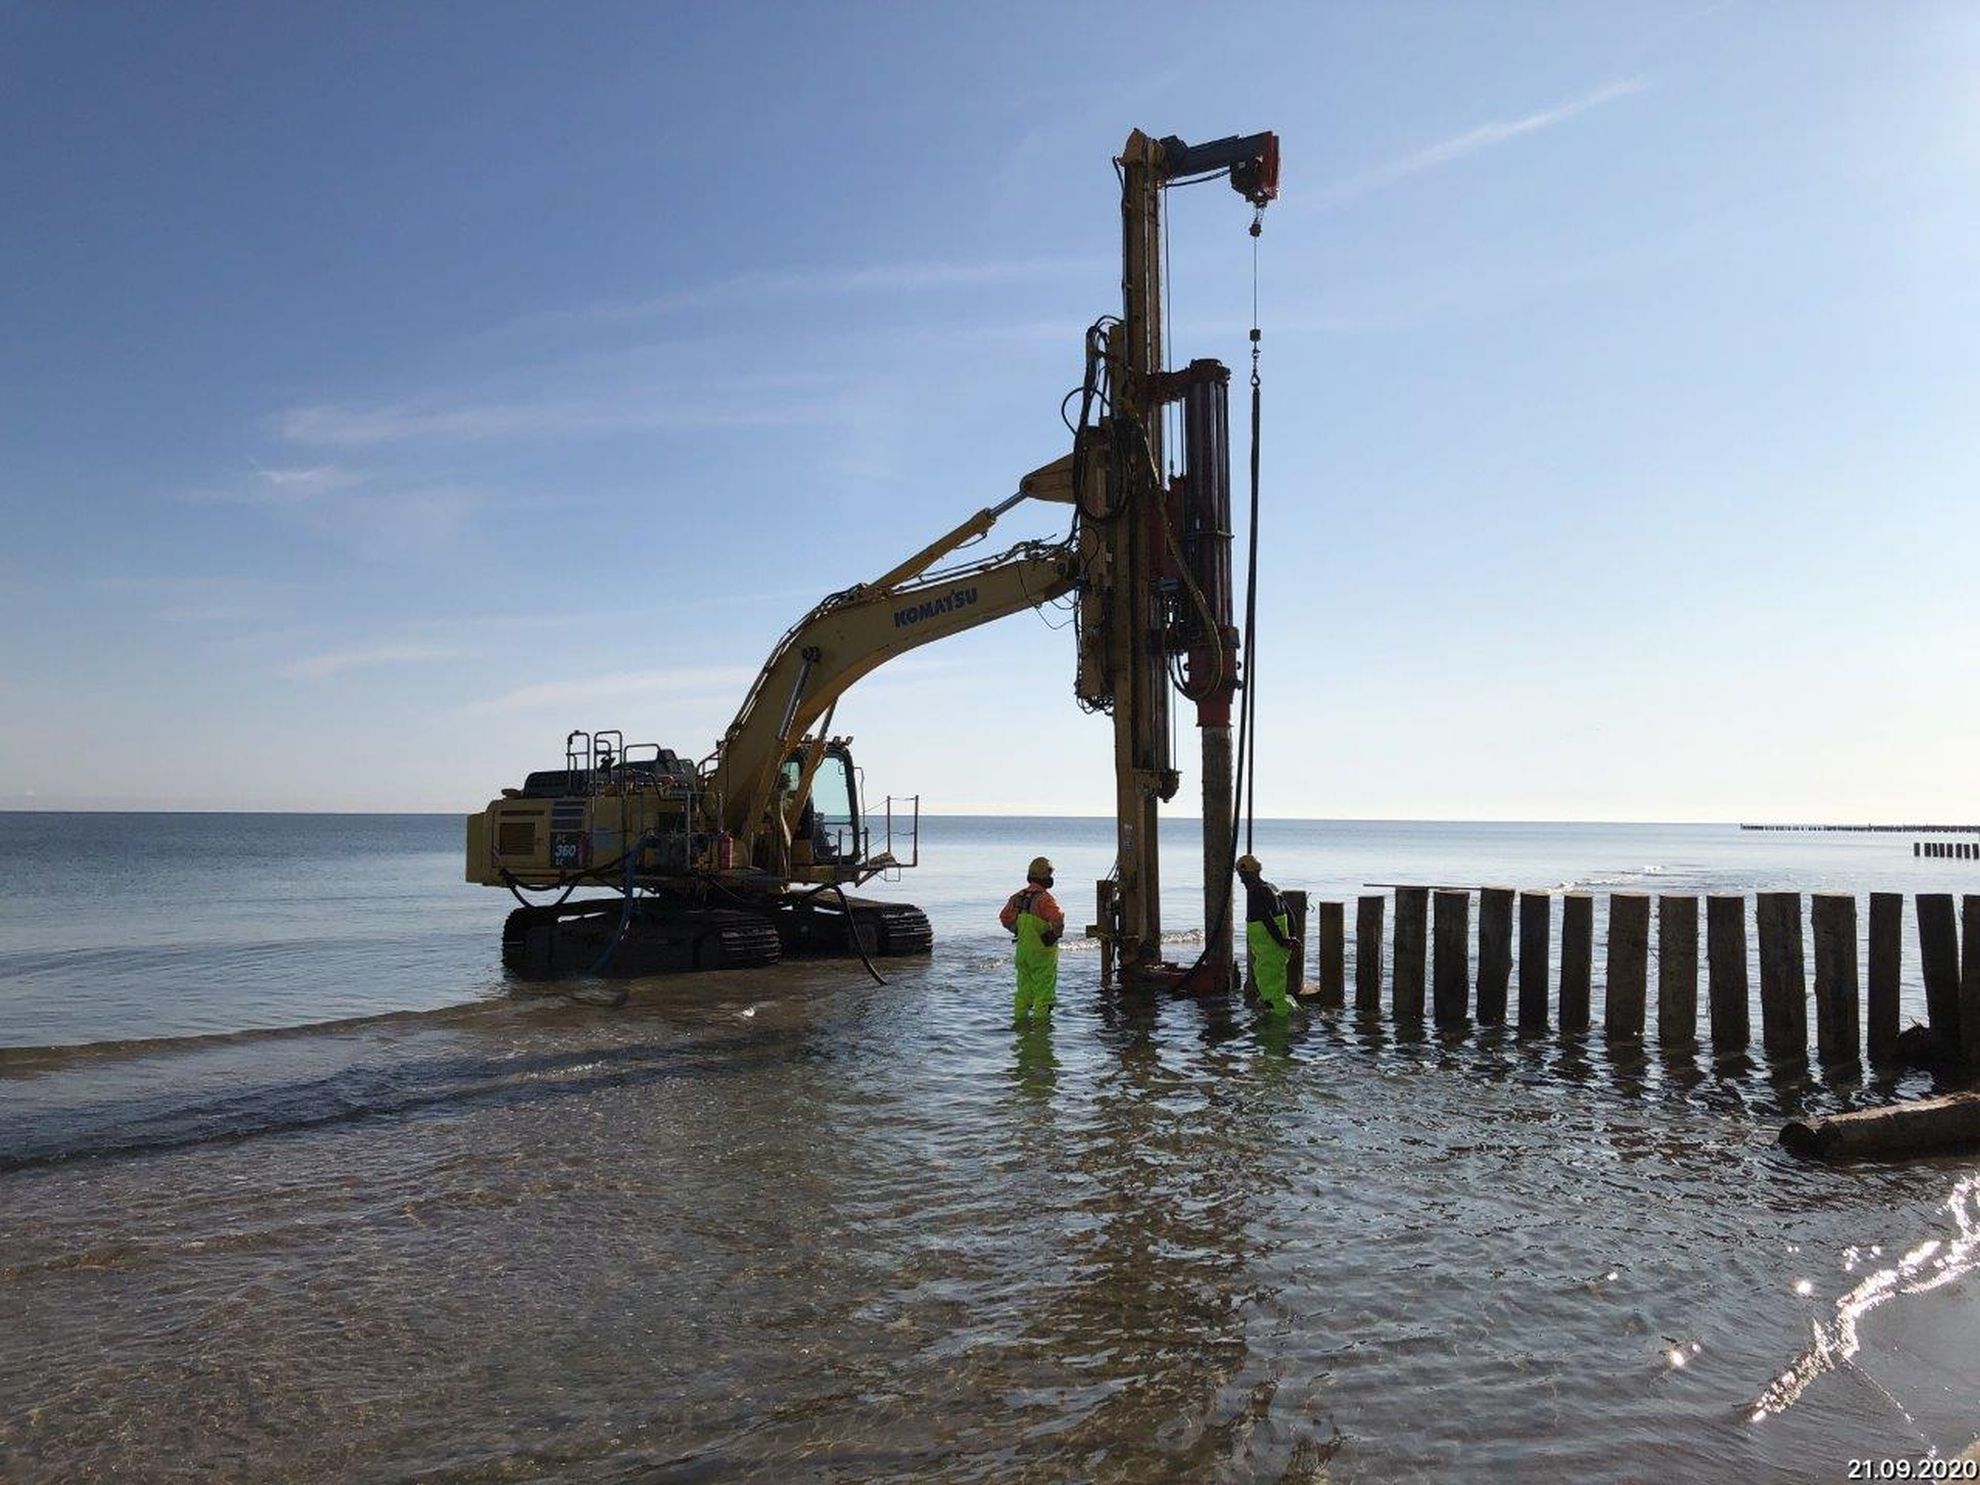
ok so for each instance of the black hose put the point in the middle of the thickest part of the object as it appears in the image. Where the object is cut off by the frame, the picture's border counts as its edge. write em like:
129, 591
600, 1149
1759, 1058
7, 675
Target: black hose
852, 932
517, 888
630, 859
567, 880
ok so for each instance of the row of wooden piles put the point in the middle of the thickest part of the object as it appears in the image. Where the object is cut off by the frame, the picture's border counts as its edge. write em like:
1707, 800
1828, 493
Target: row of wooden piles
1947, 850
1429, 950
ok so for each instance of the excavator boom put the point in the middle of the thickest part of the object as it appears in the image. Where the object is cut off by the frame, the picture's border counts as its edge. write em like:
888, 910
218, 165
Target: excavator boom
850, 635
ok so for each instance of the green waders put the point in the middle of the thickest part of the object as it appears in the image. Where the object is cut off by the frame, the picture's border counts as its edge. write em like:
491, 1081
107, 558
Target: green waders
1268, 964
1037, 965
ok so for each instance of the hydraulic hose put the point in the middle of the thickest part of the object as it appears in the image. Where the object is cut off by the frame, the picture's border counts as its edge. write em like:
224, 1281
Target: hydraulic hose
631, 859
852, 932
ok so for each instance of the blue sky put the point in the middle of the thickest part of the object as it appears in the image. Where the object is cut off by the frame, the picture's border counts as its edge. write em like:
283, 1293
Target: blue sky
387, 389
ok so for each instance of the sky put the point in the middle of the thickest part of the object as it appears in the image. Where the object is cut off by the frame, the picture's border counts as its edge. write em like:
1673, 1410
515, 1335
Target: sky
387, 390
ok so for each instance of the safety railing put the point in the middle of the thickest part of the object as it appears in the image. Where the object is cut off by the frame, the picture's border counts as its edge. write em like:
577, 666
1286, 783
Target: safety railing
899, 831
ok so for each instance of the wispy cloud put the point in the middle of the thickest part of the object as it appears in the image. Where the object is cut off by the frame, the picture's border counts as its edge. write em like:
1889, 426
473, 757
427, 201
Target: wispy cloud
321, 667
615, 411
1474, 142
200, 600
278, 487
293, 485
378, 518
724, 681
868, 279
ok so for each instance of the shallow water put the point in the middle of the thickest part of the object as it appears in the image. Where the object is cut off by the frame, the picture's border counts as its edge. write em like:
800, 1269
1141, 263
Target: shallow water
797, 1226
116, 927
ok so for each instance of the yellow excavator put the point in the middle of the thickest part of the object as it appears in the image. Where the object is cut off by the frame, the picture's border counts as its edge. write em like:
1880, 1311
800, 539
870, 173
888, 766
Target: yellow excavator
746, 855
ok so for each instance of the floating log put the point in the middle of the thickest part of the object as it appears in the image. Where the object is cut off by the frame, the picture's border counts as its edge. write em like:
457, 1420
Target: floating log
1832, 920
1930, 1126
1783, 975
1495, 928
1368, 953
1886, 966
1969, 982
1938, 952
1535, 910
1725, 955
1677, 971
1577, 958
1451, 957
1412, 929
1629, 966
1333, 954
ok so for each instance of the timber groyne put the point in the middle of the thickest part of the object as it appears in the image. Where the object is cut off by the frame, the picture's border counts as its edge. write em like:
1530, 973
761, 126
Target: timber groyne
1417, 958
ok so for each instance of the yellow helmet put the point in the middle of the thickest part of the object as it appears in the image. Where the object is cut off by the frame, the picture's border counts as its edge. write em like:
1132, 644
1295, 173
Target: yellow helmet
1248, 863
1039, 869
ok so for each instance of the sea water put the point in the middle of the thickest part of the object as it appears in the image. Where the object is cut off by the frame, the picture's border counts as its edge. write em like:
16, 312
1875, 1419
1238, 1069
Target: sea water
295, 1184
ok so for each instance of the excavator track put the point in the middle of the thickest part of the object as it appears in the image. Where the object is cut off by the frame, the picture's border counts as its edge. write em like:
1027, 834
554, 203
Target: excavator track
663, 938
814, 923
901, 927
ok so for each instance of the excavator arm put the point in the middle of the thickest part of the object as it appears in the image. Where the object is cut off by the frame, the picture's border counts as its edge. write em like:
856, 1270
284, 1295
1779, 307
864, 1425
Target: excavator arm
853, 633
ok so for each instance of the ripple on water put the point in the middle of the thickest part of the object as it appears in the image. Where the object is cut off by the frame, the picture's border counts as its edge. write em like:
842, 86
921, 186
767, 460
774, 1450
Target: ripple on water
874, 1231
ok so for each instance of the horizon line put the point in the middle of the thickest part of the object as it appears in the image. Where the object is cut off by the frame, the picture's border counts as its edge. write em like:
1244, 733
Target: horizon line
978, 815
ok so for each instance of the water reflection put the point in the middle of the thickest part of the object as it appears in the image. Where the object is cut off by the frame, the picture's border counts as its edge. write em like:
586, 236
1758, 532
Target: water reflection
1371, 1030
1160, 1323
1629, 1065
1572, 1063
1679, 1064
1035, 1068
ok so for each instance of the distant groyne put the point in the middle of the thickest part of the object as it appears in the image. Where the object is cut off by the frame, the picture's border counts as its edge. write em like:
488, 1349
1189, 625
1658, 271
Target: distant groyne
1876, 829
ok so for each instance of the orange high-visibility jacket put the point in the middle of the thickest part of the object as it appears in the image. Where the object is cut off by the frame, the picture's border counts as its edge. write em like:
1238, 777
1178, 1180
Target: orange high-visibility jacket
1036, 900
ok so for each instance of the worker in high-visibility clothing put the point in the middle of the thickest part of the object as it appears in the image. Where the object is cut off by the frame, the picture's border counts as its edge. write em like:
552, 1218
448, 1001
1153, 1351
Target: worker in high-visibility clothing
1268, 933
1035, 918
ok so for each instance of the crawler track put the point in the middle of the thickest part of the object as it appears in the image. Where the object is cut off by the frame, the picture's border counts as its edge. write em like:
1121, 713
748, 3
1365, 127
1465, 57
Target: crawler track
814, 923
663, 938
667, 936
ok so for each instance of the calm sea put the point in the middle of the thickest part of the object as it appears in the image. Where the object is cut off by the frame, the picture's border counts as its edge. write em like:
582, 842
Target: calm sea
295, 1185
117, 927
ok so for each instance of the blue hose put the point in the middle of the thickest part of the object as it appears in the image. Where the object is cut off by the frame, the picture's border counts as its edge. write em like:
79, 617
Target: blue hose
625, 912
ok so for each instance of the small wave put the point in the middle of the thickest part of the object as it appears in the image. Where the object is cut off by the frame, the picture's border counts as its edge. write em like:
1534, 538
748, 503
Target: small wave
177, 1121
1930, 1265
62, 1054
1622, 879
38, 964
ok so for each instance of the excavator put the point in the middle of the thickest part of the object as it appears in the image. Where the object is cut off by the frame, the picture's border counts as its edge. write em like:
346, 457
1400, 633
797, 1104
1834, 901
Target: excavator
746, 855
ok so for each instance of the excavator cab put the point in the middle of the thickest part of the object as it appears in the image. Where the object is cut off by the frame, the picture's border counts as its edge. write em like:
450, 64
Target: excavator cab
820, 804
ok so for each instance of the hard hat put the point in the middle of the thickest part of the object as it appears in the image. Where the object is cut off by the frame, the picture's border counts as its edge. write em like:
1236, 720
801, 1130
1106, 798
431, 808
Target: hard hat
1248, 863
1039, 869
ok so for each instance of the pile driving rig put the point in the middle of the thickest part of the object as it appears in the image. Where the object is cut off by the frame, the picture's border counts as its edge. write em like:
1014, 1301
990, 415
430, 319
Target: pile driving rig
746, 856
